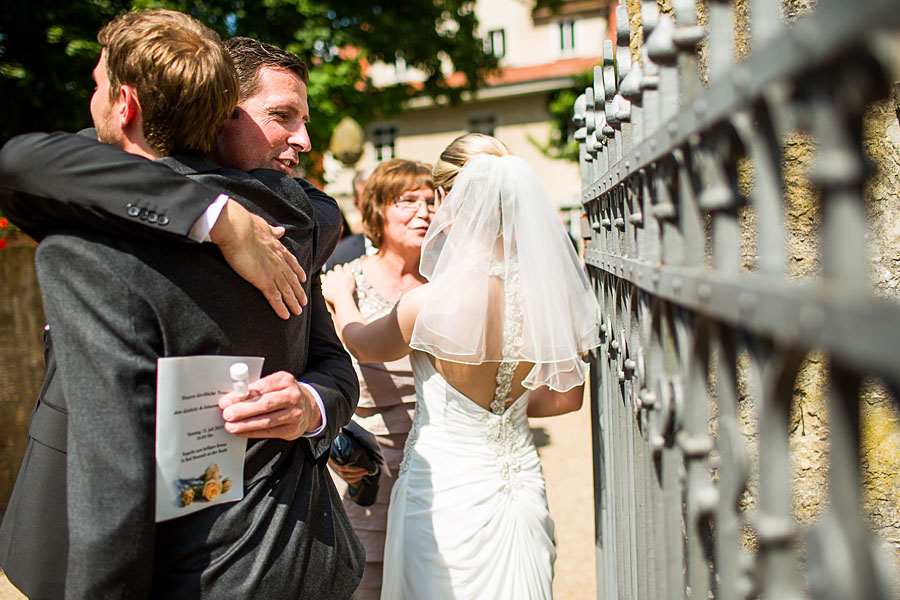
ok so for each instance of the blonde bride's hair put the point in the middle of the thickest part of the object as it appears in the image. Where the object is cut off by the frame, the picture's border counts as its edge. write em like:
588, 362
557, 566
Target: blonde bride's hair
458, 154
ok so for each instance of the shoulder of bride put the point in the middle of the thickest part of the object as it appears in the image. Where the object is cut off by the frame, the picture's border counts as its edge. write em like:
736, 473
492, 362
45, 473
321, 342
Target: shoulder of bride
415, 297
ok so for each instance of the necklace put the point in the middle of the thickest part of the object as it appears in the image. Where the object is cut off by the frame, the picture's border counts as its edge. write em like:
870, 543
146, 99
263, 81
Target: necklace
382, 269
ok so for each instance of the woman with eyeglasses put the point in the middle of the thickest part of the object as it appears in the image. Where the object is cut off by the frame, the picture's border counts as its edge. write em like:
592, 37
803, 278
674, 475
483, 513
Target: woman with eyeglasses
396, 206
496, 336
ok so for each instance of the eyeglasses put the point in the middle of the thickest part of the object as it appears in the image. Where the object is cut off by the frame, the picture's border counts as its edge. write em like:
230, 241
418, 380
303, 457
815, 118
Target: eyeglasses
412, 205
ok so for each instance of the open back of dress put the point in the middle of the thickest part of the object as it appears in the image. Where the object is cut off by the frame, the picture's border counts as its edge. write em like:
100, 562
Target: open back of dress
468, 515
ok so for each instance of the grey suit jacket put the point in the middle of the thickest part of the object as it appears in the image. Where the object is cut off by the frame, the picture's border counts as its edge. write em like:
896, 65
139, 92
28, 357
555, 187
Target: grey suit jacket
115, 306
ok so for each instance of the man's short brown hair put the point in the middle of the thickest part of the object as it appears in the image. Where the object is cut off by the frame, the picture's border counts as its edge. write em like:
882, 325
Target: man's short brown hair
388, 181
251, 55
184, 80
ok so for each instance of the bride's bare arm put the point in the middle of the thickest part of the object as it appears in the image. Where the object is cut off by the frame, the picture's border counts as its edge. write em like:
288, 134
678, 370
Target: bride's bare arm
383, 340
544, 402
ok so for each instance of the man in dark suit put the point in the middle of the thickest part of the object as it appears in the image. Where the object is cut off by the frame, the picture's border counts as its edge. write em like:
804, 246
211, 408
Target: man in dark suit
116, 305
352, 245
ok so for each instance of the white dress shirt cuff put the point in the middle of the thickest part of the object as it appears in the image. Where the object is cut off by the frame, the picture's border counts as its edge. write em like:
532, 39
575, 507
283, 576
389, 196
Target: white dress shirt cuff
202, 226
318, 430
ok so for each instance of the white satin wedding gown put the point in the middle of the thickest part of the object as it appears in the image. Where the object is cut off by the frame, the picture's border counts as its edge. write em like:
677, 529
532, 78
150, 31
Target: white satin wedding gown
468, 517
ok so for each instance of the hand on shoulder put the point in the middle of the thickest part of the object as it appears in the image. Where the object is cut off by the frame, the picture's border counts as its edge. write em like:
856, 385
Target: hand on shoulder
253, 249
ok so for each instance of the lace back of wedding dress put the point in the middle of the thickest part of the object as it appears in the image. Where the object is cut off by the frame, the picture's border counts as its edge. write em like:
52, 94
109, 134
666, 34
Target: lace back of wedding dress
512, 335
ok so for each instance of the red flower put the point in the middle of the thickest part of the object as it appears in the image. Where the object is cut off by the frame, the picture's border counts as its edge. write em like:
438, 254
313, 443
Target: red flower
2, 244
3, 223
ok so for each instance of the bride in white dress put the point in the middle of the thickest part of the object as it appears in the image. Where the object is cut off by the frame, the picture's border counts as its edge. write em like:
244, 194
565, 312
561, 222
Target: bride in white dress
496, 335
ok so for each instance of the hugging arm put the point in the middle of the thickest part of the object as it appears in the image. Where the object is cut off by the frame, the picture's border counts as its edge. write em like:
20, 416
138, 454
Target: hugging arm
56, 180
49, 181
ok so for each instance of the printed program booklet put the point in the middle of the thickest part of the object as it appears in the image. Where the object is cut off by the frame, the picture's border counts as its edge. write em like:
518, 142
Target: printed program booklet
198, 463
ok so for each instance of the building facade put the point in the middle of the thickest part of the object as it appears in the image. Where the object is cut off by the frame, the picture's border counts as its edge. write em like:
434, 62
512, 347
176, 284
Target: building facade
540, 54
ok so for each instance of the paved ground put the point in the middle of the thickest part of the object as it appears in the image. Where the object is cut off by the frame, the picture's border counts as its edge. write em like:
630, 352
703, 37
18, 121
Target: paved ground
565, 449
7, 591
566, 460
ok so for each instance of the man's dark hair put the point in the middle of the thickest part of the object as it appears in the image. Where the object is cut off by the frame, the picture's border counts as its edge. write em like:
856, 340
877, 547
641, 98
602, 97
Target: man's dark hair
251, 55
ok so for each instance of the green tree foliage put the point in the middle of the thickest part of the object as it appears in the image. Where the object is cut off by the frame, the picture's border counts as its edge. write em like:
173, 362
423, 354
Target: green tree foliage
47, 51
561, 143
48, 48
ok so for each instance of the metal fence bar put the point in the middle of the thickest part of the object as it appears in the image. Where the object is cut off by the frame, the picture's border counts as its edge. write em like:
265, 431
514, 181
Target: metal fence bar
686, 507
732, 480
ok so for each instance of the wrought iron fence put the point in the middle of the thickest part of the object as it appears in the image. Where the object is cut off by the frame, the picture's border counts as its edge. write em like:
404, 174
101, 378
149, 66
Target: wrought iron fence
694, 382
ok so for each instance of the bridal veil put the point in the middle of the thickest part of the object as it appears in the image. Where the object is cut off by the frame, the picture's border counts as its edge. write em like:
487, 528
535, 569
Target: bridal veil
497, 227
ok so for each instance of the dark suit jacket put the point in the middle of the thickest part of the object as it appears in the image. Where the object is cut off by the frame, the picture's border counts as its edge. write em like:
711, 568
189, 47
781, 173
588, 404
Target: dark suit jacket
350, 248
114, 306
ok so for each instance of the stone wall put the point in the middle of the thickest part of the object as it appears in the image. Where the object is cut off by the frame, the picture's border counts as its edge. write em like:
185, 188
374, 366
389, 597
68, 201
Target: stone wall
21, 355
880, 412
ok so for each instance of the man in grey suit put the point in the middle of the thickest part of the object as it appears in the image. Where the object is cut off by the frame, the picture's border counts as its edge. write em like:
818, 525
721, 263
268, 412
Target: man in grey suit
115, 306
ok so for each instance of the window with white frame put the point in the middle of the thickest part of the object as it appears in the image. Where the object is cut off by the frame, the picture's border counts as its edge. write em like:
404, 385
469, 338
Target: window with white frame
383, 138
495, 42
566, 36
482, 124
